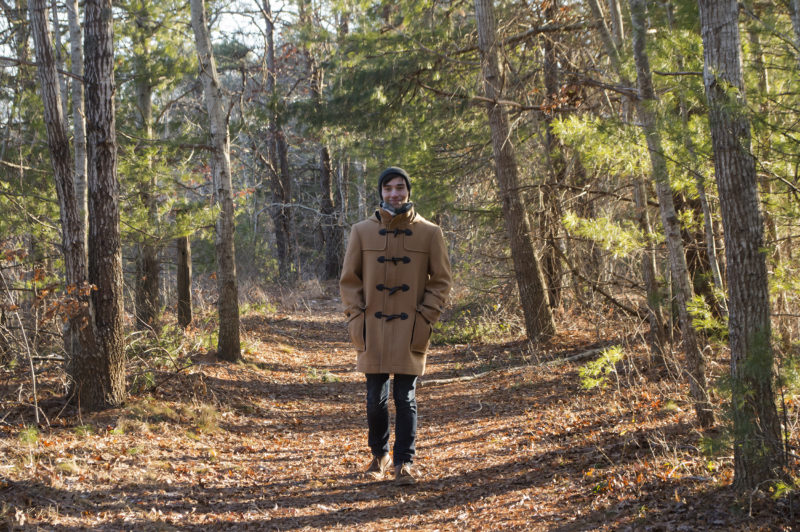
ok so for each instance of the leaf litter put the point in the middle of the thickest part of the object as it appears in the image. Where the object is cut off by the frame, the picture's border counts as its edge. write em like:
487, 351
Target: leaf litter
279, 443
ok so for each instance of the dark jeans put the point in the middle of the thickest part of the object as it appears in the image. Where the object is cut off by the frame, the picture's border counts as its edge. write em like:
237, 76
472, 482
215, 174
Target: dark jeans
405, 402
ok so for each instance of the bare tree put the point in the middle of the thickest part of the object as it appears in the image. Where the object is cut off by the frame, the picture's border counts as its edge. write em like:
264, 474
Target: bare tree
757, 447
530, 279
229, 345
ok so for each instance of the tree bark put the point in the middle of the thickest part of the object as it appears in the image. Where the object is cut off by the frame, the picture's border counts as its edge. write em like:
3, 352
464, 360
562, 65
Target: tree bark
184, 281
794, 11
78, 118
148, 267
539, 323
757, 443
78, 333
645, 108
229, 346
278, 155
551, 211
101, 373
656, 318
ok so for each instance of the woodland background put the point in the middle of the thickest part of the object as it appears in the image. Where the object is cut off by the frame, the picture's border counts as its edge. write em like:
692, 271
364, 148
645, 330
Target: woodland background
161, 182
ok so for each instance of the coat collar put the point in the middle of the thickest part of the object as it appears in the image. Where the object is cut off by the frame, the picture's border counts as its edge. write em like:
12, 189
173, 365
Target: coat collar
391, 221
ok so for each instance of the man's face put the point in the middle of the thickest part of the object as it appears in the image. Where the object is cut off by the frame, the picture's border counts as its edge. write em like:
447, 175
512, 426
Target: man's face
395, 192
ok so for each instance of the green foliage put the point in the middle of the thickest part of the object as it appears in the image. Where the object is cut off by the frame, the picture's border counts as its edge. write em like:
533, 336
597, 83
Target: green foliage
313, 374
704, 319
608, 146
596, 372
84, 431
620, 238
471, 324
28, 435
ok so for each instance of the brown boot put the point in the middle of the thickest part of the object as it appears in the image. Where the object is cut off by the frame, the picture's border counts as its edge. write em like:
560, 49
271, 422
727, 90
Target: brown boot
403, 475
378, 466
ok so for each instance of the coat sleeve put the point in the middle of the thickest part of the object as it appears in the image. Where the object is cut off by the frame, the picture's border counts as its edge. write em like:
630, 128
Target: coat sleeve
439, 279
351, 284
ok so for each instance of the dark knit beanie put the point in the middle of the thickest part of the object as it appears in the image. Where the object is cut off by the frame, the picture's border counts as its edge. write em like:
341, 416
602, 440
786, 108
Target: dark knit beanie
389, 174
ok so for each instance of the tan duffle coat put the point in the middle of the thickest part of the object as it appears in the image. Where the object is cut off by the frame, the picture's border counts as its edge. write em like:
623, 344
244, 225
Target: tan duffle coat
394, 285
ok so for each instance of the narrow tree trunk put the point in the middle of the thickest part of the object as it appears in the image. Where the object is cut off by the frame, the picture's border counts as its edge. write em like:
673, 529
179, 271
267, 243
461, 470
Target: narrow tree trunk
229, 346
101, 380
615, 14
332, 260
78, 119
656, 319
645, 108
539, 323
757, 446
59, 59
764, 154
794, 11
278, 151
148, 267
79, 339
184, 281
551, 211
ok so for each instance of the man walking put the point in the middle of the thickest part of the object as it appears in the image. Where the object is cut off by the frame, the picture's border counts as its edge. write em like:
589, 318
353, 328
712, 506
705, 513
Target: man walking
394, 285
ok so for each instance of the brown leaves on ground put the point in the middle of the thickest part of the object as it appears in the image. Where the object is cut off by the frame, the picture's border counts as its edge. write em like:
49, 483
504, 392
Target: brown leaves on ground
279, 443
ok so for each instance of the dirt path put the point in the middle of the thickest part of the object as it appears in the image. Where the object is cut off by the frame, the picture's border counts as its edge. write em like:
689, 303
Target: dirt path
279, 443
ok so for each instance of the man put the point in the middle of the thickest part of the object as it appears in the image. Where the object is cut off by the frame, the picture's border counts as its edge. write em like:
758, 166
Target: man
394, 285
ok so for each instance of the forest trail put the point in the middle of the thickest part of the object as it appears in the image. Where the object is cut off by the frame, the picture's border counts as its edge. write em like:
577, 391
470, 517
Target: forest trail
279, 443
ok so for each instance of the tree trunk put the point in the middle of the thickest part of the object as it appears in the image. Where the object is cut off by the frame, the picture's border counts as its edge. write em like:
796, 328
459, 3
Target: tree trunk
229, 346
101, 379
656, 319
148, 267
278, 154
184, 281
757, 443
645, 108
539, 323
551, 209
333, 255
79, 339
62, 80
78, 119
794, 11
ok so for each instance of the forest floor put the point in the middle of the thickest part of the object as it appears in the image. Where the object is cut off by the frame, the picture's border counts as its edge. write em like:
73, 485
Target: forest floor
279, 443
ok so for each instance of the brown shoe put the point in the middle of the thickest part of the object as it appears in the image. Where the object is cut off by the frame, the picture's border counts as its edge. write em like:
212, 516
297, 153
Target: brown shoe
403, 475
378, 466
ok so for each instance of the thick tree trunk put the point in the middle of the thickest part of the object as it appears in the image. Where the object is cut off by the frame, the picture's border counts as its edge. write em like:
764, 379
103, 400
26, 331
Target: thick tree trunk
757, 443
101, 374
78, 118
539, 323
184, 280
79, 339
229, 346
680, 273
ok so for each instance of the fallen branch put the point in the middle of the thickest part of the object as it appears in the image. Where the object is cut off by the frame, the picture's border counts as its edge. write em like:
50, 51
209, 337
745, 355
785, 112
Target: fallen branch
518, 369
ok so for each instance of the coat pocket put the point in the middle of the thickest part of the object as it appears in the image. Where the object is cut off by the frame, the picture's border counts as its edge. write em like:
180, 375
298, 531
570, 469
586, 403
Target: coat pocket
358, 332
421, 334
